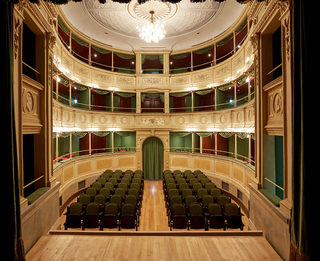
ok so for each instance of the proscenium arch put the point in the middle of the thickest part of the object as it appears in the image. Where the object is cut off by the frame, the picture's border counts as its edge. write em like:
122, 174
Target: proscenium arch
152, 158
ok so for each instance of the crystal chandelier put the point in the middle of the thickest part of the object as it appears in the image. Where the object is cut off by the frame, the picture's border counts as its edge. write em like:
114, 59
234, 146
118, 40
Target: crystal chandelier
153, 31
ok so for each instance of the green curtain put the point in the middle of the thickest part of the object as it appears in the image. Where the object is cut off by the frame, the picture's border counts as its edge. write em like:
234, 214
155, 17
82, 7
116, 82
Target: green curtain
204, 134
101, 92
225, 40
152, 158
12, 248
79, 40
304, 241
225, 87
62, 26
152, 95
242, 80
203, 50
244, 23
180, 134
203, 92
124, 56
101, 133
126, 94
64, 134
80, 135
80, 87
242, 135
179, 94
179, 56
226, 134
100, 50
125, 133
63, 80
152, 58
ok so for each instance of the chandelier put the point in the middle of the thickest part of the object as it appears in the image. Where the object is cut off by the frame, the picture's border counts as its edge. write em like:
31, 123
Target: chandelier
153, 31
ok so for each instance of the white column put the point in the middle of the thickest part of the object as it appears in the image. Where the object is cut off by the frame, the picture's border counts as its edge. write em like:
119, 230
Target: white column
249, 154
90, 134
200, 144
70, 144
112, 146
57, 145
90, 88
192, 141
236, 145
215, 143
70, 95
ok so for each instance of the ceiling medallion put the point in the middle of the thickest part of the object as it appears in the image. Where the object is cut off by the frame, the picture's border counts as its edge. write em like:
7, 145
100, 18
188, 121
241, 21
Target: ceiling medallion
160, 10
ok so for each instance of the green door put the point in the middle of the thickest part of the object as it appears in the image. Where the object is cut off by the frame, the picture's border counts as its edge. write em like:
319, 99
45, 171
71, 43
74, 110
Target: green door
152, 158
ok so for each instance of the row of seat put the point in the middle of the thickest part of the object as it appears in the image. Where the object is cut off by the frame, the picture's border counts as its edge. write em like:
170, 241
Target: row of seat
213, 217
108, 192
199, 199
108, 217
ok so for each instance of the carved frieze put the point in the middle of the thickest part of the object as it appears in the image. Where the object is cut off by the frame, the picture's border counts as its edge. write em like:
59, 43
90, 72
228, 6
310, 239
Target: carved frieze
223, 71
201, 77
101, 77
152, 122
180, 80
124, 80
152, 81
83, 71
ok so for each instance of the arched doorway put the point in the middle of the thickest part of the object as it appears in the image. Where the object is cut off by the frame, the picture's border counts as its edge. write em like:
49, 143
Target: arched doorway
152, 158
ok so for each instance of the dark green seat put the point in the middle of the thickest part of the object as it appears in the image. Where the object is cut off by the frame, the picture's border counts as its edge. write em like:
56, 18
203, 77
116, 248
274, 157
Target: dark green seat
105, 192
177, 217
233, 216
196, 216
129, 219
215, 217
91, 218
84, 199
102, 180
110, 218
97, 185
91, 191
74, 215
123, 185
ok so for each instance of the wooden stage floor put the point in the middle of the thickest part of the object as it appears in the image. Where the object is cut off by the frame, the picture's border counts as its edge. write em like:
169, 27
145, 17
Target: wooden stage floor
153, 241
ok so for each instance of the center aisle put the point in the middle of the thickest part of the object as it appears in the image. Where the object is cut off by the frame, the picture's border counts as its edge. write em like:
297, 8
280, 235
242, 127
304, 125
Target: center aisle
153, 212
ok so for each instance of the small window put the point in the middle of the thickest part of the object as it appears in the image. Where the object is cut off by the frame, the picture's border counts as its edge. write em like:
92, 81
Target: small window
239, 194
225, 186
81, 184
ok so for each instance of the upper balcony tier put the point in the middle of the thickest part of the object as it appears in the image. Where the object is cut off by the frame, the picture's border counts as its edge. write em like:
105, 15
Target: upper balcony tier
215, 63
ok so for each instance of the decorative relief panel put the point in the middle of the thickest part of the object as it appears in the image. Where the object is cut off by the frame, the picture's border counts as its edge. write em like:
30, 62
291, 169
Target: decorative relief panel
237, 63
101, 77
274, 108
124, 80
152, 122
152, 81
180, 80
81, 70
202, 77
66, 62
222, 72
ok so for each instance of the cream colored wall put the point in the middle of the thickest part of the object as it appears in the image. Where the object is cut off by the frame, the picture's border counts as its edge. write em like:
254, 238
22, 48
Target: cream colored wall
218, 169
84, 167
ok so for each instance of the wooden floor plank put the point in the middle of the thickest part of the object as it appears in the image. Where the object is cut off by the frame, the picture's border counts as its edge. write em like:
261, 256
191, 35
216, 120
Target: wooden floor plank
151, 246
